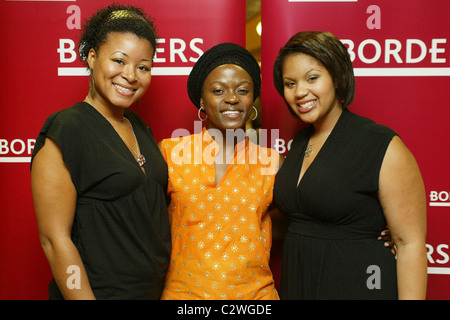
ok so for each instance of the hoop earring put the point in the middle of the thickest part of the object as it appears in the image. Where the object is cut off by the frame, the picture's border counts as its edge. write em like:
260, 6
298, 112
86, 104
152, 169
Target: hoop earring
199, 116
256, 113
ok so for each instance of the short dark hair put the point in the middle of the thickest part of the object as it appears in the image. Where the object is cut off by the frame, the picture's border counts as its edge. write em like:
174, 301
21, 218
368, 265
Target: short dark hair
115, 18
330, 52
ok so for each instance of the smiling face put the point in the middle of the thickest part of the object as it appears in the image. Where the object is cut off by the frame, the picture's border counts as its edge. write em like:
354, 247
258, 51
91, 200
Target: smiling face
121, 71
227, 97
309, 89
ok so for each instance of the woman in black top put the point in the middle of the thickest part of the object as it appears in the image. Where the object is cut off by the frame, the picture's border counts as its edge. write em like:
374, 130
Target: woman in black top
98, 177
343, 179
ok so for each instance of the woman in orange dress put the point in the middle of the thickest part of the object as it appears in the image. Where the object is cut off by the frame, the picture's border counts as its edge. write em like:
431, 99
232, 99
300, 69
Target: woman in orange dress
220, 187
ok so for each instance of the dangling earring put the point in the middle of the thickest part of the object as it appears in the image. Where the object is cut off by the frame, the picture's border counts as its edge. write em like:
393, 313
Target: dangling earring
91, 84
256, 113
199, 116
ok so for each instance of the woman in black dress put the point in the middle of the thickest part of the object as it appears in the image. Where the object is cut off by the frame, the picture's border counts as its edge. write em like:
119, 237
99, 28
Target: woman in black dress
98, 177
343, 180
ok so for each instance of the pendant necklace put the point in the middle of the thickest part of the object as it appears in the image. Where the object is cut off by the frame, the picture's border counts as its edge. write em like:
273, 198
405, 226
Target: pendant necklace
310, 150
140, 157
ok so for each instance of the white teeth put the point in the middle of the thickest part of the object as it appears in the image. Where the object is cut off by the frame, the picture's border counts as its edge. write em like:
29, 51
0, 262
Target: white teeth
122, 88
308, 104
230, 112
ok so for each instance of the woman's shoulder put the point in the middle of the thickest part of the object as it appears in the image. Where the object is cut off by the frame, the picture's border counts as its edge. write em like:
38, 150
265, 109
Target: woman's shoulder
69, 117
366, 126
172, 141
175, 144
64, 127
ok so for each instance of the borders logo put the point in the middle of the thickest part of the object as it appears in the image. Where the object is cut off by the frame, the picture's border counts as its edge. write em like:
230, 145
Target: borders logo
437, 255
439, 199
21, 149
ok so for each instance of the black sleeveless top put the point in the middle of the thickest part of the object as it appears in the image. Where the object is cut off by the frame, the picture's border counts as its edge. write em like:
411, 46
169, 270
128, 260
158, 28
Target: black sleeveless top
121, 227
331, 250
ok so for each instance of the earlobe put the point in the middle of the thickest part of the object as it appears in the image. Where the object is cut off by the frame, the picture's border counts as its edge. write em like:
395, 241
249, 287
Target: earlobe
91, 58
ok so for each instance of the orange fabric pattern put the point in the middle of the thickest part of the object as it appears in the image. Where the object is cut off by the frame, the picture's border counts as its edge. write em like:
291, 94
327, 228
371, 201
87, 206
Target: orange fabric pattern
221, 235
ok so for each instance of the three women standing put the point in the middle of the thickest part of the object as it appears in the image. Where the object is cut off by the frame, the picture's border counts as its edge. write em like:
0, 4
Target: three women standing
99, 181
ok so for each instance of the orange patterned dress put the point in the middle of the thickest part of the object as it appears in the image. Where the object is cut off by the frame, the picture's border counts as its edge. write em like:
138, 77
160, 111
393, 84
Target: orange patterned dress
221, 234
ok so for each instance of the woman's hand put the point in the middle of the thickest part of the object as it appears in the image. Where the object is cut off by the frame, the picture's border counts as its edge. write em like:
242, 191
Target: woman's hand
385, 235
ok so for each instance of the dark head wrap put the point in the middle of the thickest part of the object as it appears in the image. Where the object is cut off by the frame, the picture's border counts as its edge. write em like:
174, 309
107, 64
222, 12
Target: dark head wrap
224, 53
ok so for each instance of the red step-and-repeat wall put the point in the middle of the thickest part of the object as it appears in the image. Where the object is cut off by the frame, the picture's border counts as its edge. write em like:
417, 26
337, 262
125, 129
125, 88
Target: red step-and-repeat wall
401, 54
401, 59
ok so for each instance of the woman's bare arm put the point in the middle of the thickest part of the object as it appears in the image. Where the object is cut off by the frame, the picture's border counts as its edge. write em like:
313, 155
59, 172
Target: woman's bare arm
54, 198
402, 196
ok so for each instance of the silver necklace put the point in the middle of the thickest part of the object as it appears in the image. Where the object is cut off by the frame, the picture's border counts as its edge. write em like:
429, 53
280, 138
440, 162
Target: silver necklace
117, 119
140, 157
310, 150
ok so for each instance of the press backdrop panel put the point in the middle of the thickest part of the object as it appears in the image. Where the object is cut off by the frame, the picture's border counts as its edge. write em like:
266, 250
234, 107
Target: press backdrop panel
401, 55
42, 74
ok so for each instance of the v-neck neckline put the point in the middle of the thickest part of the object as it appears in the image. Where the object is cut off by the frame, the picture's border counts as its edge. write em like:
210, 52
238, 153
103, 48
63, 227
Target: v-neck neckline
114, 132
242, 145
318, 157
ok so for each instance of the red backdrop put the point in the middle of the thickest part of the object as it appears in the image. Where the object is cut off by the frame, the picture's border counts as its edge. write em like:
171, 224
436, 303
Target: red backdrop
402, 67
37, 38
42, 74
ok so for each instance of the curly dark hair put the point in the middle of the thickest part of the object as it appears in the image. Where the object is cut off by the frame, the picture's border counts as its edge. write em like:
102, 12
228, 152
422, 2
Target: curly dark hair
115, 18
330, 52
